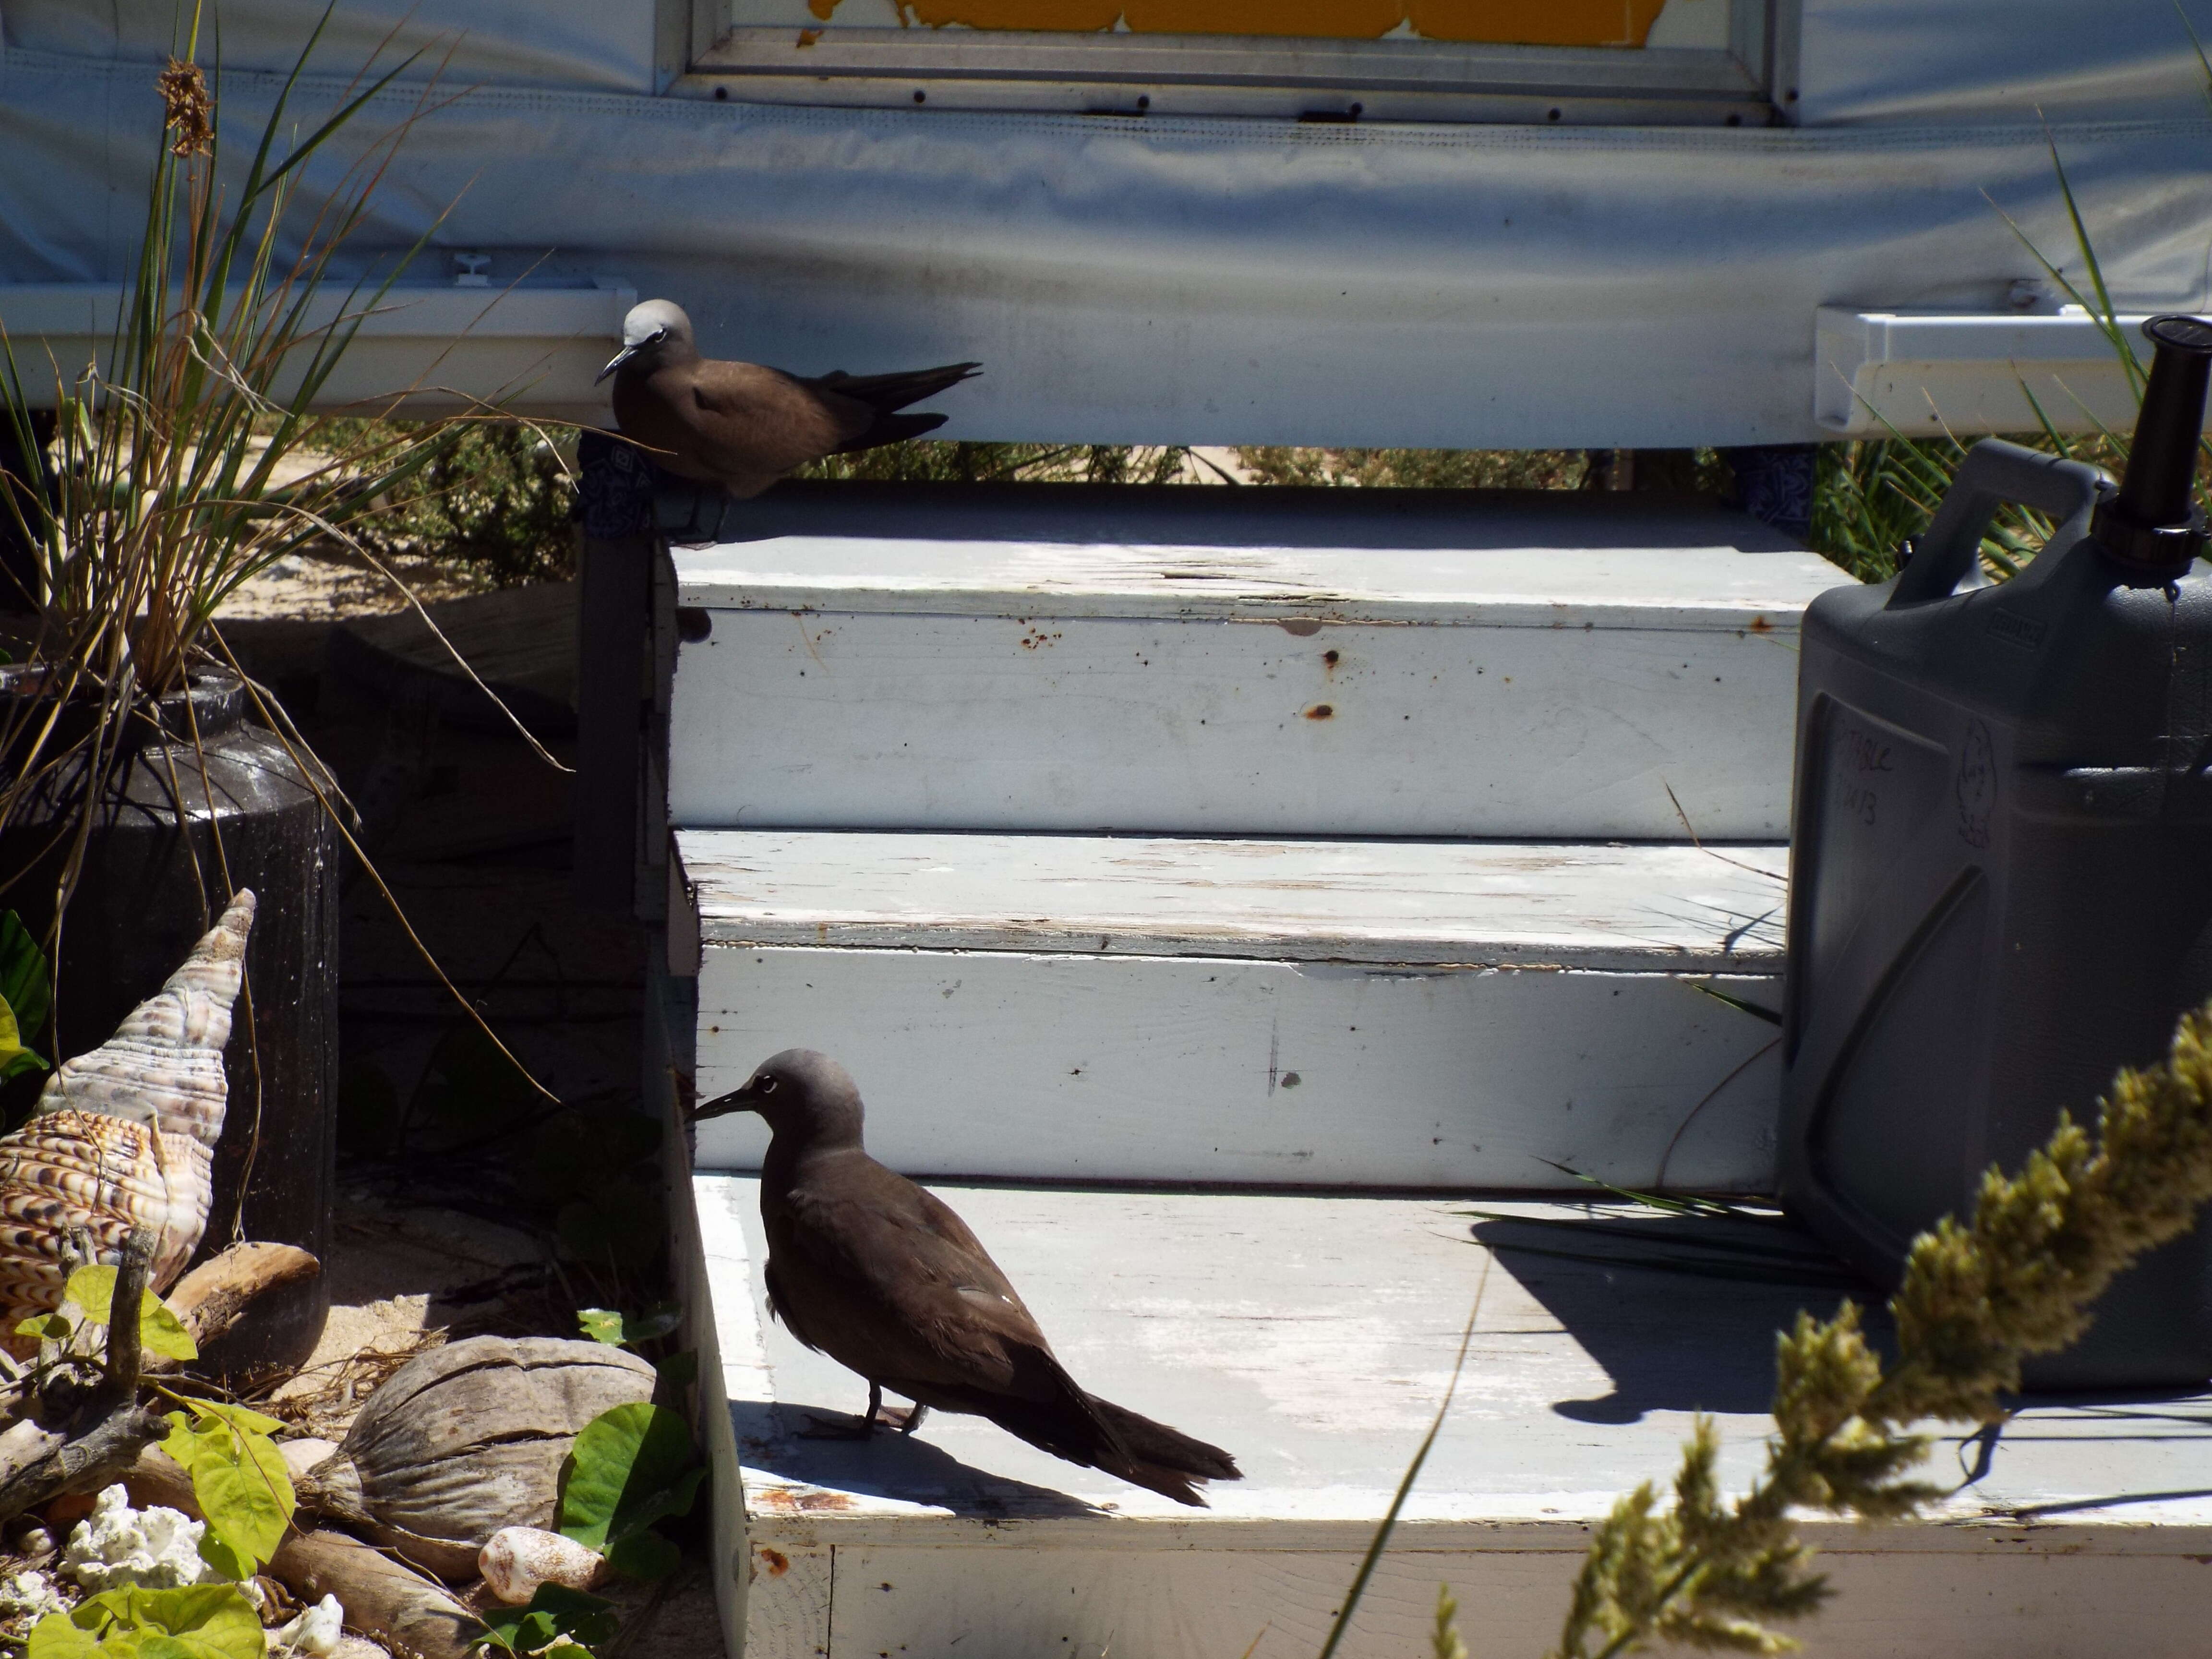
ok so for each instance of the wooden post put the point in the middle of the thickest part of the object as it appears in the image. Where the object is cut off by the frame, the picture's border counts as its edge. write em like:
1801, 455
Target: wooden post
614, 668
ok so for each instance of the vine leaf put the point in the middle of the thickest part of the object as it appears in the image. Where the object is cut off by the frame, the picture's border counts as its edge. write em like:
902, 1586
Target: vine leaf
201, 1621
620, 1330
630, 1467
238, 1478
159, 1330
555, 1613
14, 1057
26, 995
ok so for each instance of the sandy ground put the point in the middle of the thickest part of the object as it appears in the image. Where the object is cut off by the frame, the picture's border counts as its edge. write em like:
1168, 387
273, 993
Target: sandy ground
305, 587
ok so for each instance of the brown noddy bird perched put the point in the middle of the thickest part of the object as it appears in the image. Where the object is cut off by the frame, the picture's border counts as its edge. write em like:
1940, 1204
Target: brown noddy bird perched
743, 426
865, 1266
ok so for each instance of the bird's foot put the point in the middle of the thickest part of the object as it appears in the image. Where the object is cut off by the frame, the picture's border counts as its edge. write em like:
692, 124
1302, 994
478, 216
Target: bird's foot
905, 1419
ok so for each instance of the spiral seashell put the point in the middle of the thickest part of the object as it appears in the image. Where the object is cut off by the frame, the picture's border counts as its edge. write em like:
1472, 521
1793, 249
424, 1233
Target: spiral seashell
163, 1066
123, 1136
70, 1171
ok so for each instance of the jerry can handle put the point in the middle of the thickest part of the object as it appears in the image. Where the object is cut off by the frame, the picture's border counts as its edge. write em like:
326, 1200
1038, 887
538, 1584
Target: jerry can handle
1996, 472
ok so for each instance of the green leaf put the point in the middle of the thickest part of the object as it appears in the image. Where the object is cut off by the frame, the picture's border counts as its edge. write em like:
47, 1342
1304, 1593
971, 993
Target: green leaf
159, 1330
239, 1479
658, 1321
555, 1613
630, 1467
225, 1559
54, 1325
644, 1555
601, 1325
202, 1621
14, 1056
240, 1418
55, 1636
679, 1369
26, 982
622, 1330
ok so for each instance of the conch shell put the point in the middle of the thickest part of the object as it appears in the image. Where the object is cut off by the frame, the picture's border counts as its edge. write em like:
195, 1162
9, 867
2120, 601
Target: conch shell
163, 1066
125, 1136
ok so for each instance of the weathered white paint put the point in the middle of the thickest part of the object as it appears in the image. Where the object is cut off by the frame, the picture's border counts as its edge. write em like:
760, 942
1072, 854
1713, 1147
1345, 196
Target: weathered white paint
530, 350
1542, 693
1313, 1337
1677, 908
1520, 567
1215, 1069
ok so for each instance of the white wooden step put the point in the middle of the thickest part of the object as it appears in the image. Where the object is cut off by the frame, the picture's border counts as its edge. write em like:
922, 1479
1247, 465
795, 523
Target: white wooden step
1523, 666
1377, 1013
1312, 1337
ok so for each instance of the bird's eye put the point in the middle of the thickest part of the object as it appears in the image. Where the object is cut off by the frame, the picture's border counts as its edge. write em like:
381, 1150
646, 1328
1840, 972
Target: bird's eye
766, 1085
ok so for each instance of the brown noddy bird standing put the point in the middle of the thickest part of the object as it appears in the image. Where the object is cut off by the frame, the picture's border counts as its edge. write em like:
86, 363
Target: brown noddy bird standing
865, 1266
743, 426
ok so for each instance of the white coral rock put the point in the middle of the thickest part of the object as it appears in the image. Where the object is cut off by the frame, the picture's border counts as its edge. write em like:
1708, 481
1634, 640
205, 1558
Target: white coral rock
157, 1548
315, 1631
30, 1592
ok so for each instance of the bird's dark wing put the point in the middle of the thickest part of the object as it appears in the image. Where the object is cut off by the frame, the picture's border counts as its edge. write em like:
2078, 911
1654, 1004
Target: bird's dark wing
886, 1278
892, 430
885, 393
755, 420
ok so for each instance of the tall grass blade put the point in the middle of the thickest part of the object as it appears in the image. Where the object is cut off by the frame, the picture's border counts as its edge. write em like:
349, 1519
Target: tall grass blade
1382, 1539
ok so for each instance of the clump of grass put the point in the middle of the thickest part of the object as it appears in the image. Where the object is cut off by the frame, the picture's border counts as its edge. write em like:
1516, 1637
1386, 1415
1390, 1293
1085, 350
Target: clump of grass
939, 461
2020, 1277
492, 503
192, 456
1419, 468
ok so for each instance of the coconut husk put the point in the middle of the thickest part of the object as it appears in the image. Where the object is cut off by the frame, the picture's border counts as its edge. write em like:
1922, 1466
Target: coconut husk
468, 1439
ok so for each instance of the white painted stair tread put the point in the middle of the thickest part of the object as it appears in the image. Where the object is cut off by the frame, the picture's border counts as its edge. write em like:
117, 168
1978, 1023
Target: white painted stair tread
1202, 1010
1312, 1337
1537, 693
1536, 585
1673, 907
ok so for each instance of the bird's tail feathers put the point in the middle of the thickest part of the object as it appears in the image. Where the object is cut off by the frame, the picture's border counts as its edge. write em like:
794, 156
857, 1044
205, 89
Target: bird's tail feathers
1164, 1459
890, 429
1086, 1429
885, 393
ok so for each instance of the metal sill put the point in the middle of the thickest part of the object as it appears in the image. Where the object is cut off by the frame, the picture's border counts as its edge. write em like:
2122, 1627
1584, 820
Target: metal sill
1929, 373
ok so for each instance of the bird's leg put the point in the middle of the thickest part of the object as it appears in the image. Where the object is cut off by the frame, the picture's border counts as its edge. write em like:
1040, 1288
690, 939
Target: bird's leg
822, 1428
905, 1419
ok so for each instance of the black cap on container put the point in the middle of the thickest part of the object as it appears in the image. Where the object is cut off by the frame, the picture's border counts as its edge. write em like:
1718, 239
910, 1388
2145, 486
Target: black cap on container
2152, 527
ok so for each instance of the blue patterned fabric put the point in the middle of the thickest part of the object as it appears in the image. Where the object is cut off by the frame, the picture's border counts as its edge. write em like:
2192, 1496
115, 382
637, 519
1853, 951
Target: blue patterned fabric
614, 495
1774, 483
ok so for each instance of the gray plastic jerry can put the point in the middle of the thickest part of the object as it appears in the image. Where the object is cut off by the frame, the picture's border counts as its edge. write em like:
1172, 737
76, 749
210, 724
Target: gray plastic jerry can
2001, 889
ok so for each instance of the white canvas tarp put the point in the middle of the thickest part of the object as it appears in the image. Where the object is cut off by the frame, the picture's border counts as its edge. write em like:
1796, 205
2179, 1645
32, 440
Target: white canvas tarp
1223, 280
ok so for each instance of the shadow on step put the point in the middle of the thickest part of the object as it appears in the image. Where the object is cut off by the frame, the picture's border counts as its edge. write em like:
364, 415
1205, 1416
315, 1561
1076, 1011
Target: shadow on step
1681, 1309
772, 1437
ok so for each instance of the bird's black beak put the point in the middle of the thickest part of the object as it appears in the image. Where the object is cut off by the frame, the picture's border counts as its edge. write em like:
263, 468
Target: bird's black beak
619, 359
746, 1099
630, 350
